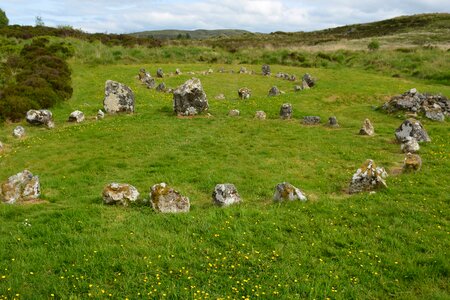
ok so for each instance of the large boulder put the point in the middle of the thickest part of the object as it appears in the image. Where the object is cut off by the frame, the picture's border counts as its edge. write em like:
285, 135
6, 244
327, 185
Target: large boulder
260, 115
412, 162
286, 111
265, 70
411, 128
310, 82
274, 91
410, 145
120, 194
22, 187
40, 117
367, 128
118, 98
286, 191
76, 116
225, 194
19, 132
189, 98
367, 178
166, 200
244, 93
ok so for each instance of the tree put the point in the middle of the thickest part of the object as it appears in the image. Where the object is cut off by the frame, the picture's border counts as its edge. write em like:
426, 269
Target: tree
39, 21
373, 45
3, 19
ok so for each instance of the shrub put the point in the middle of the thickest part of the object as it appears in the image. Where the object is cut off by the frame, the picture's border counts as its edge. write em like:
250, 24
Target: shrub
373, 45
3, 18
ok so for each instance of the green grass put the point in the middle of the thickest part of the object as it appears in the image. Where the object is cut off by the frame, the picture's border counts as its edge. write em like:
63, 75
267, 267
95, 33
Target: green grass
394, 243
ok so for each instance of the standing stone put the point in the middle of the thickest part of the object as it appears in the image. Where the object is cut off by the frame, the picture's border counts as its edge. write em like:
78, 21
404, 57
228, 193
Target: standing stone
120, 194
220, 97
286, 191
412, 162
166, 200
100, 114
265, 70
410, 145
367, 128
23, 186
243, 70
244, 93
367, 178
308, 80
298, 88
411, 128
225, 194
19, 132
40, 117
161, 87
305, 85
260, 115
274, 91
311, 120
189, 98
286, 111
76, 116
159, 73
146, 79
118, 98
234, 113
178, 72
332, 122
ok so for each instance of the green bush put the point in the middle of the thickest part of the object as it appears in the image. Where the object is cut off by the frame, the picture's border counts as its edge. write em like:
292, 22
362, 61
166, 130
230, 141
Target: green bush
373, 45
3, 18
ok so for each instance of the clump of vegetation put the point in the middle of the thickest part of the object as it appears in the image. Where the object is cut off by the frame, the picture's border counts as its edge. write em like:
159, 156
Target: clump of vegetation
37, 77
4, 21
373, 45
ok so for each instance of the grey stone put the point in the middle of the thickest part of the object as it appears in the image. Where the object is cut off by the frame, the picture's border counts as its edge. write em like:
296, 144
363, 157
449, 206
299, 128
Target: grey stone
412, 162
118, 98
243, 70
274, 91
285, 191
220, 97
244, 93
225, 194
265, 70
308, 80
19, 132
260, 115
178, 72
119, 194
166, 200
332, 122
411, 128
189, 98
367, 178
161, 87
159, 73
298, 88
286, 111
305, 85
76, 116
367, 128
311, 120
147, 79
23, 186
100, 114
234, 113
40, 117
410, 145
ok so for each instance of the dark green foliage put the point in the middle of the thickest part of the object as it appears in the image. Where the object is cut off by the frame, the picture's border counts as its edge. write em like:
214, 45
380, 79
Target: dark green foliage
38, 78
373, 45
3, 18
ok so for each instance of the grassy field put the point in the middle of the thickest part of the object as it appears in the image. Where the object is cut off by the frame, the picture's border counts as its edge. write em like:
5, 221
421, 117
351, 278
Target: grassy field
392, 244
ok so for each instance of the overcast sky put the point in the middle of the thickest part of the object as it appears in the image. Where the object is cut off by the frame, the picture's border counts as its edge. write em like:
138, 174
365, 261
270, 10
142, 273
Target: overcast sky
119, 16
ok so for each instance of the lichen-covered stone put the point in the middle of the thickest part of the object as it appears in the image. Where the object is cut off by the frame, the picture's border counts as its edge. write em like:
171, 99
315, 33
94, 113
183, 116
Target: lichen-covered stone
332, 122
410, 145
286, 191
265, 70
225, 194
118, 98
100, 114
412, 162
411, 128
146, 79
286, 111
367, 128
159, 73
244, 93
166, 200
76, 116
274, 91
119, 194
260, 115
40, 117
367, 178
22, 187
161, 87
311, 120
298, 88
308, 80
243, 70
189, 98
220, 97
19, 132
234, 113
178, 72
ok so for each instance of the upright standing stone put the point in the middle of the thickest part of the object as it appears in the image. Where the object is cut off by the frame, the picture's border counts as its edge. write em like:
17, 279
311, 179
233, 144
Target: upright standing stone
159, 73
367, 178
332, 122
118, 98
120, 194
19, 132
367, 128
412, 162
410, 145
274, 91
178, 72
23, 186
166, 200
244, 93
161, 87
225, 194
76, 116
260, 115
411, 128
100, 114
286, 191
308, 80
146, 79
286, 111
265, 70
40, 117
189, 98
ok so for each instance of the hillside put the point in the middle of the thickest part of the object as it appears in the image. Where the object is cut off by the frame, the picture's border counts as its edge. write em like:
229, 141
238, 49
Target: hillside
198, 34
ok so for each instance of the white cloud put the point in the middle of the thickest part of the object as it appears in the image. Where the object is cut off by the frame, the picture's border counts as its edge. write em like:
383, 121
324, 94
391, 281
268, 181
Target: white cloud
254, 15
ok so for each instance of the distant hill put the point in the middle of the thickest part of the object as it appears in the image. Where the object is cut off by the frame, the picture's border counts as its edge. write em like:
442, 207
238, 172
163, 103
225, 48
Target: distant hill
199, 34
